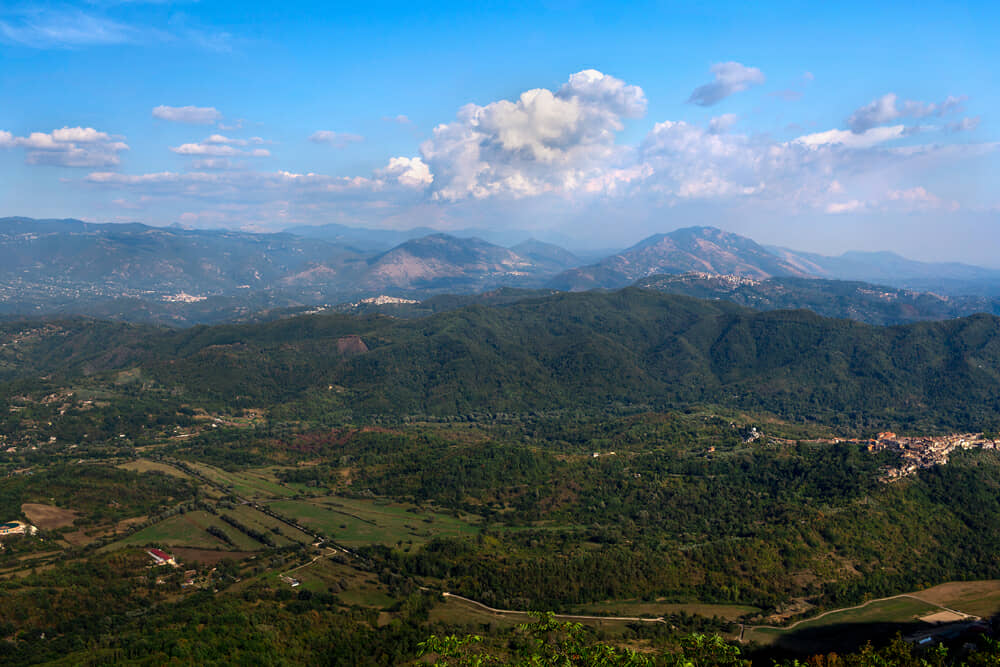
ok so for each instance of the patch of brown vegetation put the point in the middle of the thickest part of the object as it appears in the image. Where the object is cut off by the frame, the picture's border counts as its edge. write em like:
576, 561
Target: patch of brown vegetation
351, 345
795, 607
123, 525
78, 538
49, 517
313, 443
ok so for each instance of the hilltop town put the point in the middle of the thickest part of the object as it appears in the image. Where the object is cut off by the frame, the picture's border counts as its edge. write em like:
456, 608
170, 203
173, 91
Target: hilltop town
920, 452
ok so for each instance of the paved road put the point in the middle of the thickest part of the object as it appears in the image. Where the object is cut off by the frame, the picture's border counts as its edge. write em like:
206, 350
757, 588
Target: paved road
581, 617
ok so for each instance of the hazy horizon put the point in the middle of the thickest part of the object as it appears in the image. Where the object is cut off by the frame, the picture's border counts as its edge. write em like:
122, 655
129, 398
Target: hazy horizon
821, 129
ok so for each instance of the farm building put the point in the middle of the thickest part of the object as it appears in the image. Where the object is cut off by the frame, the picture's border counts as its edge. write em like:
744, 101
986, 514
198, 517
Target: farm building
161, 557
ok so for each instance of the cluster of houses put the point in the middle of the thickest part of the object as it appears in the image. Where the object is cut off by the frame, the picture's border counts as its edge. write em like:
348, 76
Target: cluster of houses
925, 452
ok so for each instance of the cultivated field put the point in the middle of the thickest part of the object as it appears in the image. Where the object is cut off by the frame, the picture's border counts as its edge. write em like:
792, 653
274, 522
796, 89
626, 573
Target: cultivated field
259, 521
189, 530
245, 483
980, 598
145, 465
357, 522
49, 517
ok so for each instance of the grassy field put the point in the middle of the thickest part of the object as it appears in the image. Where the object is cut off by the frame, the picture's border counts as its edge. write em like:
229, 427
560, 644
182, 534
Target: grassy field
246, 483
454, 611
809, 633
352, 586
145, 465
271, 474
188, 530
979, 598
658, 608
357, 522
264, 523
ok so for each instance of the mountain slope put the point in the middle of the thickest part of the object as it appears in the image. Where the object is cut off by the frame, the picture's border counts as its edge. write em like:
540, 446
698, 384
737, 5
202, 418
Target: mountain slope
690, 249
860, 301
118, 259
547, 255
367, 240
172, 275
440, 261
888, 268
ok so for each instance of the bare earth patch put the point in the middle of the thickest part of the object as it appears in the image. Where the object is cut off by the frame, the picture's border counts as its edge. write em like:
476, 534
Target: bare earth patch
49, 517
943, 617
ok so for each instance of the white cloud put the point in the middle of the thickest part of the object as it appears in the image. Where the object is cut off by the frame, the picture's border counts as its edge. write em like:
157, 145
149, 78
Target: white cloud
691, 162
730, 77
43, 28
219, 146
601, 91
220, 139
964, 125
68, 147
851, 206
721, 124
60, 26
542, 142
909, 200
409, 171
401, 119
885, 109
553, 153
217, 150
335, 139
848, 139
876, 112
189, 114
213, 163
919, 198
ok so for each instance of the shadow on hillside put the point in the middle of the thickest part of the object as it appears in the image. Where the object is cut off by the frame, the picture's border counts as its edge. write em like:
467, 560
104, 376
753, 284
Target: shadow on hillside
843, 638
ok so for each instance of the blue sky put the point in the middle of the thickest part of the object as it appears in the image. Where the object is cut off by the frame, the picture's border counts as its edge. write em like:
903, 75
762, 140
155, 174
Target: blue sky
825, 128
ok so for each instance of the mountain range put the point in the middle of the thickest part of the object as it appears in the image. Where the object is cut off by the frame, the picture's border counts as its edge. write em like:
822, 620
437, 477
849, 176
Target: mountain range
173, 275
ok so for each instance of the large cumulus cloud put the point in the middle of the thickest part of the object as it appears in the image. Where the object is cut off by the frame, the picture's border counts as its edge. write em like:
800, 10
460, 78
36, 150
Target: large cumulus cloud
543, 142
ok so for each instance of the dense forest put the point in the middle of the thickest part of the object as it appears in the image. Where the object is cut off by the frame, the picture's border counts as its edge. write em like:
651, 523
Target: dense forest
632, 349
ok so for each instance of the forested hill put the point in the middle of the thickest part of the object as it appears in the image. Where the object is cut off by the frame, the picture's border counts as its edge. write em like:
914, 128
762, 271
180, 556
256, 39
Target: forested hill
874, 304
587, 351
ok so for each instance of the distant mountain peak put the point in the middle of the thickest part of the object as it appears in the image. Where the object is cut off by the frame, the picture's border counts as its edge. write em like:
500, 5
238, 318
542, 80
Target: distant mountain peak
700, 249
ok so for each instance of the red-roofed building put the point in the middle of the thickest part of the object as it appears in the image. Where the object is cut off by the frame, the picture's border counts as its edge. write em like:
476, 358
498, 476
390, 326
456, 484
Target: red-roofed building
161, 557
